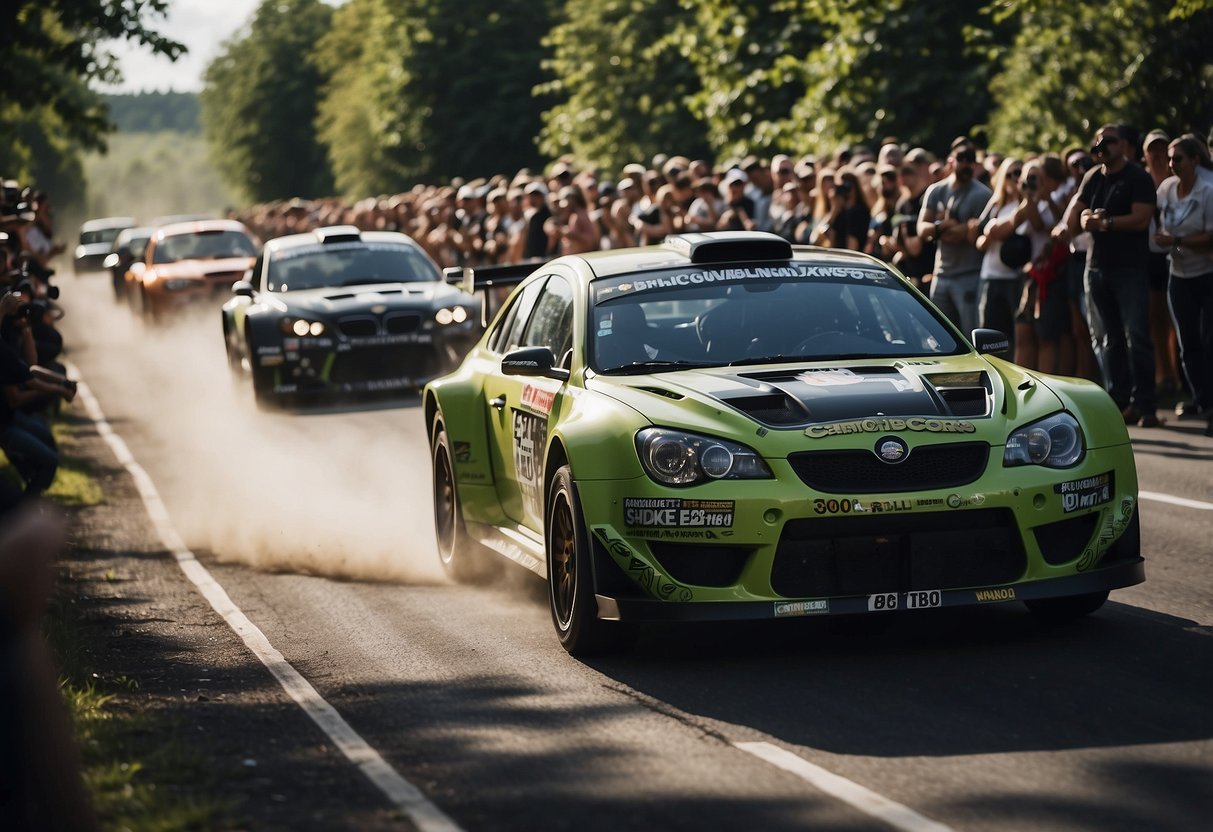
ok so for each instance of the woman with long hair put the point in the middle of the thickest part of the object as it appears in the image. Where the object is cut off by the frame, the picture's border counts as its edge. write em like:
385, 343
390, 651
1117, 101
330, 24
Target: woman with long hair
846, 225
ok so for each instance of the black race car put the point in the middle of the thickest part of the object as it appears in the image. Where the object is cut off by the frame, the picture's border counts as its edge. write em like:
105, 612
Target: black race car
338, 312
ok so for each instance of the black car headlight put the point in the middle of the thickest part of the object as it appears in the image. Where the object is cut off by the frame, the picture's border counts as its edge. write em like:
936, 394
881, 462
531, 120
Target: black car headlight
673, 457
299, 327
451, 315
1055, 442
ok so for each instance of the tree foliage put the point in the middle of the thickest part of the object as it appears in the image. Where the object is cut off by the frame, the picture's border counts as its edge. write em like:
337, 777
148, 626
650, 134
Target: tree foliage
150, 112
1073, 67
260, 102
420, 90
622, 87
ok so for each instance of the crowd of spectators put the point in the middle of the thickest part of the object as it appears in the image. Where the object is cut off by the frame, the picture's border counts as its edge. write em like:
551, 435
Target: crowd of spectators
1096, 261
40, 775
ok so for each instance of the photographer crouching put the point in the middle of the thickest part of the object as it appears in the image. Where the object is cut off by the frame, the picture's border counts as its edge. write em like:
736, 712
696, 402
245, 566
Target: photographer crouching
27, 390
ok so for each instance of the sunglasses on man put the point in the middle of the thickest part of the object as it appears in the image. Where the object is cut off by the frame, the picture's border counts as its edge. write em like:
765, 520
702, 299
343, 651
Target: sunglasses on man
1103, 145
966, 156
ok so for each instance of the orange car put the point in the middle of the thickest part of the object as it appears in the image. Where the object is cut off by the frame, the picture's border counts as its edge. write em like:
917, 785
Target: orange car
187, 263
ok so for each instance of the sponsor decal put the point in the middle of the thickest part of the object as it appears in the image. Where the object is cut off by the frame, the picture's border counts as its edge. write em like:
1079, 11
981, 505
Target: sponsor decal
892, 450
462, 451
957, 501
1112, 525
389, 340
530, 442
271, 360
671, 512
681, 534
849, 506
709, 276
656, 584
986, 596
538, 399
889, 425
787, 608
269, 350
830, 378
1085, 493
928, 502
291, 344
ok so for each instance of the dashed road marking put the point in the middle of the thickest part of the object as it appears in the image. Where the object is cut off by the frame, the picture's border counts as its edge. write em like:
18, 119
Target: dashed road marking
404, 795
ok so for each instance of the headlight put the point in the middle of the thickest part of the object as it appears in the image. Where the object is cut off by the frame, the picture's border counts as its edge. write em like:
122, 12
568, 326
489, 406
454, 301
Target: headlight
178, 284
675, 458
1055, 442
300, 327
454, 315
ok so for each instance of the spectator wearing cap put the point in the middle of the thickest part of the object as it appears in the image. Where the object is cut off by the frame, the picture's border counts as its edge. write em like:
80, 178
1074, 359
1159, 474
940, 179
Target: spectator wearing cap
906, 250
888, 194
704, 212
618, 217
1185, 202
1115, 203
738, 211
1166, 345
788, 212
536, 244
949, 217
890, 154
782, 171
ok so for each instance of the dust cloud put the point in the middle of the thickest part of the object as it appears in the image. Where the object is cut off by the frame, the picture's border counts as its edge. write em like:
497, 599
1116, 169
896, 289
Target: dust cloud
344, 494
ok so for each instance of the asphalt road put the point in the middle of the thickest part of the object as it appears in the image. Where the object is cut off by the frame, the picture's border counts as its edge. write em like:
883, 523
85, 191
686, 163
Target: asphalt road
319, 528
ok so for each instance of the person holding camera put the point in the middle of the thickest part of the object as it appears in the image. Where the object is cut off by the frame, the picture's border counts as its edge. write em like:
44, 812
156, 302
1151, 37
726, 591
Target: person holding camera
949, 217
849, 219
25, 437
1115, 203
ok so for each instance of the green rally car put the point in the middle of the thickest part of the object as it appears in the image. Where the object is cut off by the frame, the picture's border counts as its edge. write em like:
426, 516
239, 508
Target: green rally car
727, 427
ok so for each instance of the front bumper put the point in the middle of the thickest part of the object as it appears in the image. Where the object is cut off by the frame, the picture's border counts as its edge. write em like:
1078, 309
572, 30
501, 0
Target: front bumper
776, 548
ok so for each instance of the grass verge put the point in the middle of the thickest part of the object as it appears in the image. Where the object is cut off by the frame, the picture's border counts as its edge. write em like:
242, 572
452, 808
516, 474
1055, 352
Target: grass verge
141, 773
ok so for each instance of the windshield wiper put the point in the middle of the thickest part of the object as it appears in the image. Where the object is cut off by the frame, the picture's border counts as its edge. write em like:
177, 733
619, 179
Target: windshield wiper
638, 367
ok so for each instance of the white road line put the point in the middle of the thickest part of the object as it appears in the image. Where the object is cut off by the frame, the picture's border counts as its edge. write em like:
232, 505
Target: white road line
1175, 501
865, 800
403, 794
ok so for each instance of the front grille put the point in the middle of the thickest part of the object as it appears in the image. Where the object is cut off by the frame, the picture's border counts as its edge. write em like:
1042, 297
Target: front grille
841, 556
356, 327
1064, 541
862, 472
368, 364
700, 564
402, 323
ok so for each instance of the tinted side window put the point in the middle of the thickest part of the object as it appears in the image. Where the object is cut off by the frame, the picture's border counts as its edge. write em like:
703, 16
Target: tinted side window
552, 322
509, 332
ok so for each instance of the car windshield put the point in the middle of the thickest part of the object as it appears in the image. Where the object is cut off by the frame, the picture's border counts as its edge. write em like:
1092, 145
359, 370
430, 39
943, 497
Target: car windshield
101, 235
204, 245
348, 264
741, 315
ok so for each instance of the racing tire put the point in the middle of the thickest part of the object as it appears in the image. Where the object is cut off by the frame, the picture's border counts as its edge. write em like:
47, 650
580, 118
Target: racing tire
463, 560
1065, 610
570, 577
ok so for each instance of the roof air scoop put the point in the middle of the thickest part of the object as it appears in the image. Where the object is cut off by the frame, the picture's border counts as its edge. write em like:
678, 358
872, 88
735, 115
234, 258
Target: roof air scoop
729, 246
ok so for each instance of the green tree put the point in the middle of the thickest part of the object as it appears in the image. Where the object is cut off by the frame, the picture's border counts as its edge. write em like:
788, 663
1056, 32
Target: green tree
50, 52
749, 60
1074, 67
424, 90
259, 104
621, 86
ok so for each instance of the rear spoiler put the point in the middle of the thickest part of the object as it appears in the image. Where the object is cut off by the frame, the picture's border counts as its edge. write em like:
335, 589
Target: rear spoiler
492, 283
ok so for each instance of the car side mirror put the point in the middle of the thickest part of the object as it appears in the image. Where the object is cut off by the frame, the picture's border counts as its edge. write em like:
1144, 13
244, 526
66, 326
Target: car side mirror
242, 288
991, 342
533, 361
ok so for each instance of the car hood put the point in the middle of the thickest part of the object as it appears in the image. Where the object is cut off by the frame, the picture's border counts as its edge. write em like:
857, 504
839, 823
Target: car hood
781, 407
339, 300
203, 268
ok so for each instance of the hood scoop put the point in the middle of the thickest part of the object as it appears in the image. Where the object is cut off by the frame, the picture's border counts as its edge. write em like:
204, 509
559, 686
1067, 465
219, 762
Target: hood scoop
800, 397
349, 295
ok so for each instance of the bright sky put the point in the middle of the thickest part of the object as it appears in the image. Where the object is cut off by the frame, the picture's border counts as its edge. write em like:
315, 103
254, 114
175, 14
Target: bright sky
202, 25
